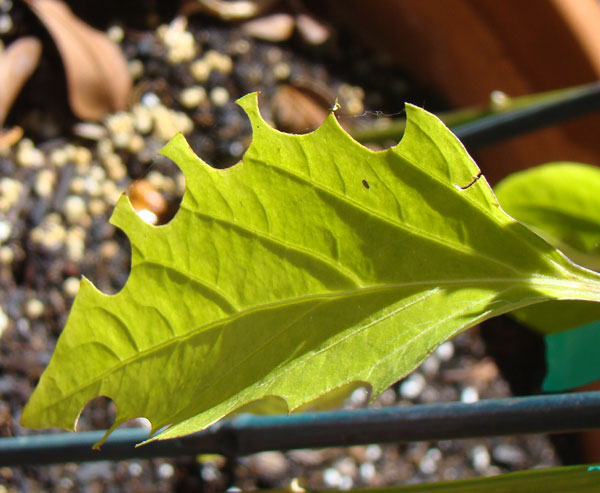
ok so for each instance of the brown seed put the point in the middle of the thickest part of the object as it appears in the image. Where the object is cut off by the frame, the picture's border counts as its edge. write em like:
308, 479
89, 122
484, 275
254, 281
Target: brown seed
144, 196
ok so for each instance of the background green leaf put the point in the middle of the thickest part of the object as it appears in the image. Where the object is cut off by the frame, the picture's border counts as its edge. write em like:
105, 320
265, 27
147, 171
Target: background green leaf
572, 358
313, 265
561, 202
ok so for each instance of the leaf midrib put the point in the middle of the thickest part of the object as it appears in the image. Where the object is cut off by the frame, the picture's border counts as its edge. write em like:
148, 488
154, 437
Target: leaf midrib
544, 281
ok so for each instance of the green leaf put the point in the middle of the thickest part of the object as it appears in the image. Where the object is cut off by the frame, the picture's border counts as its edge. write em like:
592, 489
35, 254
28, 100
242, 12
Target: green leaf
572, 358
581, 479
561, 202
314, 264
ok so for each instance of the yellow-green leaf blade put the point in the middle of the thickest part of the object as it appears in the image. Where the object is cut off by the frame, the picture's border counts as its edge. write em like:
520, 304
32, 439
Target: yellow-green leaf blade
313, 264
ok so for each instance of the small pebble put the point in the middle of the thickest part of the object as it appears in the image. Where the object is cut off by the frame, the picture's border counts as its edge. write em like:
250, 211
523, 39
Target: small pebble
5, 231
165, 471
97, 173
23, 326
135, 469
359, 397
71, 286
136, 69
210, 472
5, 5
200, 70
219, 62
6, 24
58, 157
480, 457
150, 100
191, 97
499, 100
45, 183
367, 472
3, 321
75, 244
74, 209
147, 216
445, 351
142, 117
34, 308
219, 96
121, 126
180, 43
110, 192
77, 185
97, 207
136, 144
281, 71
241, 47
346, 482
509, 455
91, 131
143, 423
412, 387
10, 190
388, 398
168, 122
109, 249
66, 484
431, 365
82, 156
115, 34
469, 395
346, 466
114, 166
373, 453
105, 148
236, 149
7, 255
332, 477
429, 463
28, 156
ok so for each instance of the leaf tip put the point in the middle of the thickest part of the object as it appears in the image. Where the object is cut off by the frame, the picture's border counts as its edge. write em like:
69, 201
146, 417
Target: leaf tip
123, 212
249, 103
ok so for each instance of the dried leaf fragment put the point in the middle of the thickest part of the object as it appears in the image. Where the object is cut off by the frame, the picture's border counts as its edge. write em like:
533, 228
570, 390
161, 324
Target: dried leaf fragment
9, 137
274, 27
97, 76
298, 111
17, 63
228, 11
311, 30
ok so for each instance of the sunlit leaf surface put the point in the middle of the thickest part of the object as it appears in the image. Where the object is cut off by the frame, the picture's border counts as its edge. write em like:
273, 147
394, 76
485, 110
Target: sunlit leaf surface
312, 265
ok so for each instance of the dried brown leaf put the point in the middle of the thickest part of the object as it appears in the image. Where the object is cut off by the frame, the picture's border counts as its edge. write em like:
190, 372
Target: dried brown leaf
298, 111
17, 63
274, 27
97, 76
228, 11
9, 137
311, 30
